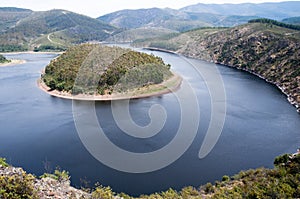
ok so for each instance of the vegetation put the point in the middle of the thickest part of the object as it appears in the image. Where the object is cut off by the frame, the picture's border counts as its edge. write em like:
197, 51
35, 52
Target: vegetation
3, 162
103, 70
60, 175
103, 193
283, 181
16, 185
51, 48
3, 59
276, 23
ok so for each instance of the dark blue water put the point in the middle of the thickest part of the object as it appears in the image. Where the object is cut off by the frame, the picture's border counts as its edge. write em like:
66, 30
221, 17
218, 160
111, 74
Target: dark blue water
38, 131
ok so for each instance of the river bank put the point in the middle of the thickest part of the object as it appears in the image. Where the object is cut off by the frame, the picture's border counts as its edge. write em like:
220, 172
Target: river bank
30, 52
15, 182
284, 90
167, 86
12, 62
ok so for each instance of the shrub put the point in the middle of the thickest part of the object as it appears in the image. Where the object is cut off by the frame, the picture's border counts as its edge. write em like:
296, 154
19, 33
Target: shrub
225, 178
209, 188
17, 186
57, 175
3, 162
103, 193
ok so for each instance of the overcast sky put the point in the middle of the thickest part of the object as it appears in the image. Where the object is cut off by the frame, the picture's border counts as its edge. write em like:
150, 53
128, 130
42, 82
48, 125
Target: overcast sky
96, 8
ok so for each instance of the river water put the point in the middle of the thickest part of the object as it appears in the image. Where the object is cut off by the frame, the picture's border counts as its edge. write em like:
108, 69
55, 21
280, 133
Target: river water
38, 131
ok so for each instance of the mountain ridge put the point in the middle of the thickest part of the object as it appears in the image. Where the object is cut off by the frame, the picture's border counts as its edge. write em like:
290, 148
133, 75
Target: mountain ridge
201, 15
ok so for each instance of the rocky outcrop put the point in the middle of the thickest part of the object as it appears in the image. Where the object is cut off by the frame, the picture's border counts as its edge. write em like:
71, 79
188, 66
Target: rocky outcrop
44, 188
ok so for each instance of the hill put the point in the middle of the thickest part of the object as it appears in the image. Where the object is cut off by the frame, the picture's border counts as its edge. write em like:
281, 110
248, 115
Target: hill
135, 18
265, 49
52, 30
105, 70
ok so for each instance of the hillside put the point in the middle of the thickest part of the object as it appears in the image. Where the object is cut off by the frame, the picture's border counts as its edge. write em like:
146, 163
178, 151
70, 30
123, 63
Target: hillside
279, 182
267, 50
135, 18
104, 70
138, 33
53, 30
9, 16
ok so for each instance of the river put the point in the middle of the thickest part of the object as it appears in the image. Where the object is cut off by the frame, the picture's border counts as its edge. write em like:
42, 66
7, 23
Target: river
38, 131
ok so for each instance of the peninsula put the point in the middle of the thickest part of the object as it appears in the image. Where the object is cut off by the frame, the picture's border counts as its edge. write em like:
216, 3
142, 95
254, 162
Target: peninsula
103, 73
7, 62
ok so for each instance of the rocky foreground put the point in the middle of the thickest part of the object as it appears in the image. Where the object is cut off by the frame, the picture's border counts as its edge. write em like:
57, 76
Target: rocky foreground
283, 181
29, 186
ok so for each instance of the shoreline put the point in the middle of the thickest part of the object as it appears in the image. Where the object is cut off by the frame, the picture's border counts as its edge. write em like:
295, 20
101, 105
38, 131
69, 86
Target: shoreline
160, 50
281, 88
291, 100
13, 62
30, 52
170, 85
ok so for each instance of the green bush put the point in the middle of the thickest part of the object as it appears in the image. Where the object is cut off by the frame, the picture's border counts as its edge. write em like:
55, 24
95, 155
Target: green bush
103, 193
225, 178
57, 175
17, 186
209, 188
3, 59
3, 162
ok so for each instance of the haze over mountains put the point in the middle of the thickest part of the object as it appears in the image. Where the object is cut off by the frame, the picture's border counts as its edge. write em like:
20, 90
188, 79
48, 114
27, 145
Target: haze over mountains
276, 11
23, 29
200, 15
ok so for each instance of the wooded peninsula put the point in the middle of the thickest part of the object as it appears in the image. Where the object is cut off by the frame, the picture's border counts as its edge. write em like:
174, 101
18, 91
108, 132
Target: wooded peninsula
97, 72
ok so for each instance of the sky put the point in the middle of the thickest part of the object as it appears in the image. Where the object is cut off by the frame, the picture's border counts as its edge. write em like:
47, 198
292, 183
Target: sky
96, 8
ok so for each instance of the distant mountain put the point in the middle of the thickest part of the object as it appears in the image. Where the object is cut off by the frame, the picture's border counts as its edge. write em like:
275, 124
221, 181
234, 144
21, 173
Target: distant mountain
292, 20
201, 15
267, 10
56, 28
170, 19
270, 51
136, 18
